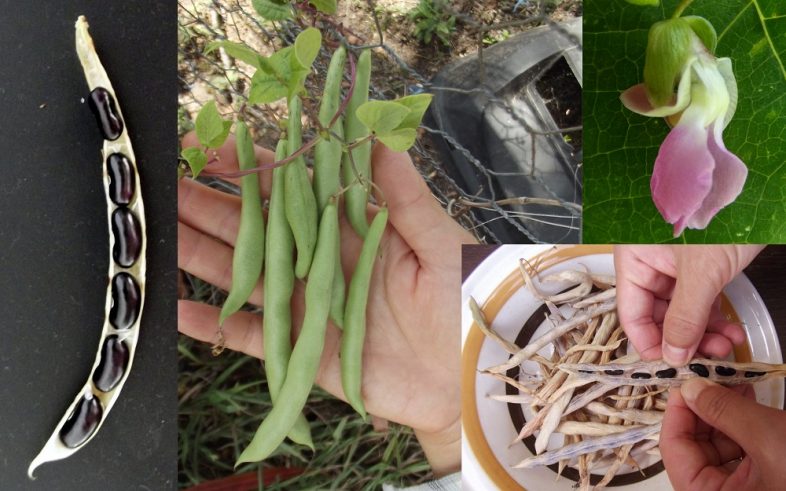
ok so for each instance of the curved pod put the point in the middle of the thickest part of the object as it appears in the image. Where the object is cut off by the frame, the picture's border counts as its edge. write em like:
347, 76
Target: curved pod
127, 265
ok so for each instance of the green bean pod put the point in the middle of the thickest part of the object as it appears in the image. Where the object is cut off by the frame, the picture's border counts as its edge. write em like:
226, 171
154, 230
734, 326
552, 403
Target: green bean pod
327, 153
279, 285
358, 176
300, 203
355, 314
305, 359
327, 166
250, 244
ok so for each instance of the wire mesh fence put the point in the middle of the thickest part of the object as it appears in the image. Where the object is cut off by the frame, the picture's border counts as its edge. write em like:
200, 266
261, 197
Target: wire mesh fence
517, 202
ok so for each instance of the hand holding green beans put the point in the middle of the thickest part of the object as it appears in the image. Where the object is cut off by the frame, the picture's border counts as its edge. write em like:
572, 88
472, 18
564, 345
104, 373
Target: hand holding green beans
409, 359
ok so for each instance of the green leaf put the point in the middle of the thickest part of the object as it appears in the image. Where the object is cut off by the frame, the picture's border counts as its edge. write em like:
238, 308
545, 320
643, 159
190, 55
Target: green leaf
271, 10
417, 105
236, 50
381, 117
307, 45
325, 6
211, 129
399, 140
651, 3
266, 88
196, 159
620, 147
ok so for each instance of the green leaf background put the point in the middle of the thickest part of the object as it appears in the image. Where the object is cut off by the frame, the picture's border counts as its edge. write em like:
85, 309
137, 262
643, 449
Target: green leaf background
620, 147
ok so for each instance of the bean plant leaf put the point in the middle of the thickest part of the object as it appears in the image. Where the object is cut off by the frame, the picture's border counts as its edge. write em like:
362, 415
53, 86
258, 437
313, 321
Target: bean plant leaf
307, 45
399, 140
417, 105
266, 88
652, 3
211, 129
238, 51
381, 117
196, 159
271, 10
325, 6
620, 147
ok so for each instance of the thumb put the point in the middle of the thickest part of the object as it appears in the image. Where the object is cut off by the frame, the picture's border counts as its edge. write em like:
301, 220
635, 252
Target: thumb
698, 284
414, 213
743, 420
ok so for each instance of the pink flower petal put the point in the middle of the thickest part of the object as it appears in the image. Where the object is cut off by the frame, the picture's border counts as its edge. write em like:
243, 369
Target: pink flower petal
728, 179
682, 176
636, 100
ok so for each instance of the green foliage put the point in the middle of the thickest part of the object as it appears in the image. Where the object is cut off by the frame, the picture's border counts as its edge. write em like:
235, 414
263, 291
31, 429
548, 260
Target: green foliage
432, 19
651, 3
238, 51
272, 10
196, 159
211, 129
282, 74
325, 6
395, 123
620, 147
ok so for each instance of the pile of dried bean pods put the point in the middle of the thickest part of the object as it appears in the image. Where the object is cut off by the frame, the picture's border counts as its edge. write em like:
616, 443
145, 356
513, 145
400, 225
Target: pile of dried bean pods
302, 241
606, 403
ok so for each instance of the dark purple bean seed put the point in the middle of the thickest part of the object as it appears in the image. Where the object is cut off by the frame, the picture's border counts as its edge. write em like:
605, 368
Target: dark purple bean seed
82, 423
666, 373
753, 374
699, 369
128, 237
121, 179
586, 371
113, 364
103, 106
641, 375
725, 371
126, 300
613, 372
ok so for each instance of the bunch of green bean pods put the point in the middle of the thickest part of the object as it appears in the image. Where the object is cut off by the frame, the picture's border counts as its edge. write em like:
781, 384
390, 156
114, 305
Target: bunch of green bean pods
303, 242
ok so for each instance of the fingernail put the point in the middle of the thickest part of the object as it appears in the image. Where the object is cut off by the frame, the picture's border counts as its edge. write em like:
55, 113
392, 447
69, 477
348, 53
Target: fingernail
692, 388
675, 356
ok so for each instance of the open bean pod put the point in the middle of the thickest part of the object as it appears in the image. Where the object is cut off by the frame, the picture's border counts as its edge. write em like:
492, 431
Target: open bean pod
659, 373
125, 292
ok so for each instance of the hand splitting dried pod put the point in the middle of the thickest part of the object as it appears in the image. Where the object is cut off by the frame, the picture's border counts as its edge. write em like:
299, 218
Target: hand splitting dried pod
127, 264
607, 404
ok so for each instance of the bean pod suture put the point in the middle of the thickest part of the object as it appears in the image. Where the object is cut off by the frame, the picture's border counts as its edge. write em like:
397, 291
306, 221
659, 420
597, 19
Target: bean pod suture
127, 266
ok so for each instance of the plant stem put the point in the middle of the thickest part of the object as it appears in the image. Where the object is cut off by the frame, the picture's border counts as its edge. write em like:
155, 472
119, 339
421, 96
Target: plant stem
680, 8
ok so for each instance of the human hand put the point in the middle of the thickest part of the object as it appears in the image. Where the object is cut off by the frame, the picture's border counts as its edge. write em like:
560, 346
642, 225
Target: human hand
667, 298
708, 428
409, 357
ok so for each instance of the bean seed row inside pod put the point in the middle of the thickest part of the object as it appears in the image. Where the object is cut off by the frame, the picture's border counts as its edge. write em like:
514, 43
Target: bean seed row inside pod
579, 380
125, 291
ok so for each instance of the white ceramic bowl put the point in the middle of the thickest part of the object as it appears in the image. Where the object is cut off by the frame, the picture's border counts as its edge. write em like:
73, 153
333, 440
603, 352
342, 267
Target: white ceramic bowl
487, 425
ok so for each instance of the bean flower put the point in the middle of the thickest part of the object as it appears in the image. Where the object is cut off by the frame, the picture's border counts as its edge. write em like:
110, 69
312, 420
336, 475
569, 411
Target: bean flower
694, 174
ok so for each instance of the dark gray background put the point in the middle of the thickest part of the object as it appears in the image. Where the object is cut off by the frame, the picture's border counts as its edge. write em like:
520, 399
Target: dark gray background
54, 240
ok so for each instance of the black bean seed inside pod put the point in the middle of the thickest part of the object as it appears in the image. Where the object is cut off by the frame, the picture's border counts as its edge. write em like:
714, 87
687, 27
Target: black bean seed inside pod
667, 373
699, 369
82, 423
613, 372
128, 237
725, 371
121, 179
113, 364
586, 371
641, 375
104, 108
126, 300
753, 374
